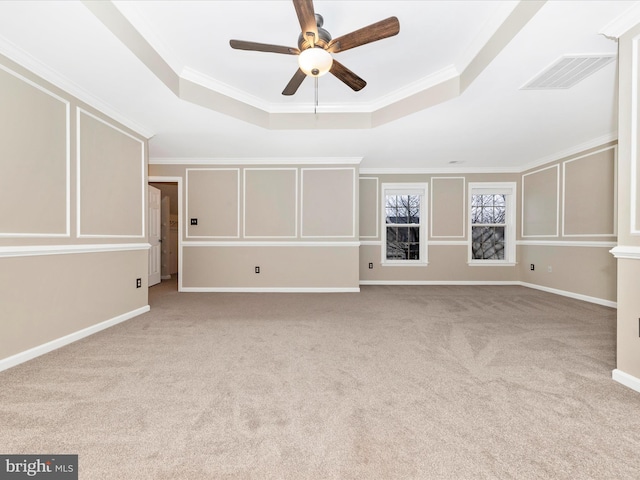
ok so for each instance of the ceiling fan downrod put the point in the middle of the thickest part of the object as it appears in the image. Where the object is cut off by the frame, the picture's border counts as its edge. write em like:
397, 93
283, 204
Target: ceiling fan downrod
310, 40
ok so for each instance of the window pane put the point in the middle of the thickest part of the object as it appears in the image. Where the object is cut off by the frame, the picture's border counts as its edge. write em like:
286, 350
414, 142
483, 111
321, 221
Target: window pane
488, 208
401, 209
487, 243
403, 243
476, 209
414, 208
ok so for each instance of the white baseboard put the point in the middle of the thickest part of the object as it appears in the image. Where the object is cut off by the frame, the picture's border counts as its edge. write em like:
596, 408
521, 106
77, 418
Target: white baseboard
577, 296
165, 277
271, 289
34, 352
564, 293
625, 379
436, 282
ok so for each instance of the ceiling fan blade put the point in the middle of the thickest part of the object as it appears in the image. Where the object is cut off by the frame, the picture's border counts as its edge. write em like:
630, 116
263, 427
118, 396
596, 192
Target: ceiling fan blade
294, 83
263, 47
374, 32
307, 18
345, 75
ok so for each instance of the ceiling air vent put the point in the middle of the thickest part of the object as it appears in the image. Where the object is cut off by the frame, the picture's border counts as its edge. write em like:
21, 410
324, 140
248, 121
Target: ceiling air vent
567, 71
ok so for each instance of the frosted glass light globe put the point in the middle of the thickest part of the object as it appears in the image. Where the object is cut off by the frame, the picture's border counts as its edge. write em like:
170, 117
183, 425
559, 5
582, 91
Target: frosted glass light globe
315, 62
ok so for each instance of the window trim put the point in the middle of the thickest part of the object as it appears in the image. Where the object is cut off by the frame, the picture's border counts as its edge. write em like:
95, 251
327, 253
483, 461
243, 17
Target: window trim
412, 188
491, 188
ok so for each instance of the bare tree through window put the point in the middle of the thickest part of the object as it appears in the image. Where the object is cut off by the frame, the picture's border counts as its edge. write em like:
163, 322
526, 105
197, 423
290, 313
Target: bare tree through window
488, 226
402, 218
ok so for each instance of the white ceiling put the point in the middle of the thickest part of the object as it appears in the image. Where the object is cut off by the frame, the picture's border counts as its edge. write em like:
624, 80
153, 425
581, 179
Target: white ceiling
489, 125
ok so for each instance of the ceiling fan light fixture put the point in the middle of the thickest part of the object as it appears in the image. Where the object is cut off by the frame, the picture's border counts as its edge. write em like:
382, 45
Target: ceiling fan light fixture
315, 62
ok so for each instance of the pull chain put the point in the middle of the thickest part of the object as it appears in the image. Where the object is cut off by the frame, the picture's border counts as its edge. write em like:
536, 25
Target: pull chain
315, 106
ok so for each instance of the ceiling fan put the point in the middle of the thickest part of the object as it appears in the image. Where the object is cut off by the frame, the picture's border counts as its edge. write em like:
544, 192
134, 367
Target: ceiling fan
315, 47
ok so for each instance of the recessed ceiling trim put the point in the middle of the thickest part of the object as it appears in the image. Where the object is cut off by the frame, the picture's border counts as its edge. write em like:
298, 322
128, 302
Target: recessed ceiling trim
131, 11
503, 12
402, 93
416, 87
240, 95
425, 93
567, 71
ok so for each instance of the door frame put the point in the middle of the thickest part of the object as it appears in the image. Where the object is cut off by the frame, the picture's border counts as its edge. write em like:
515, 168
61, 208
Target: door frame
178, 180
154, 221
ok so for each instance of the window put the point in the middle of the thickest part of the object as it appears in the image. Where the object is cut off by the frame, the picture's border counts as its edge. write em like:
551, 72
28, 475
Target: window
404, 242
492, 223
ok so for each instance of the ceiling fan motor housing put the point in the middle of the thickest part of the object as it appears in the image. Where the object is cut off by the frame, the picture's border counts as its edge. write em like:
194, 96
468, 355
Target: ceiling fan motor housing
323, 39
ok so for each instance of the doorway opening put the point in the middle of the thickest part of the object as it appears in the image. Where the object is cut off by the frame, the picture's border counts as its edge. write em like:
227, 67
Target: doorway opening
170, 229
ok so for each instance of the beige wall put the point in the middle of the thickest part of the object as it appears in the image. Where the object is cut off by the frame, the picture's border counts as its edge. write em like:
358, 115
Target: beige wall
34, 185
448, 207
301, 223
47, 297
589, 194
111, 172
447, 231
567, 220
72, 235
213, 199
541, 202
447, 264
282, 219
281, 267
586, 271
565, 213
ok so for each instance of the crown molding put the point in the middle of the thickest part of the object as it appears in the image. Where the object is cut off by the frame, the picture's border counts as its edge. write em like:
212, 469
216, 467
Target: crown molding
205, 81
621, 25
256, 161
421, 85
437, 171
35, 66
596, 142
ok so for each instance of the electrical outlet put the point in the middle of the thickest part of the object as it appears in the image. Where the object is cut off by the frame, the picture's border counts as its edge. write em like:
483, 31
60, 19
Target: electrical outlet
138, 282
194, 221
370, 265
257, 269
532, 267
549, 269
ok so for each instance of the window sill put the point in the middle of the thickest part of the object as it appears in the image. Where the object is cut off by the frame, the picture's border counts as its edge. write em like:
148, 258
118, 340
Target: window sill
404, 264
490, 263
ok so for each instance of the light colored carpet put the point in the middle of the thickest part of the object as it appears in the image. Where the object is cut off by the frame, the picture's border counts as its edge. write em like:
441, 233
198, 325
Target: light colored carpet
399, 382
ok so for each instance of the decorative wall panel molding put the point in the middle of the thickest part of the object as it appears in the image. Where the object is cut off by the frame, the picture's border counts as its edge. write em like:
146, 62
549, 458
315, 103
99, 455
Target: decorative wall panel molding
111, 174
328, 202
541, 202
448, 207
270, 206
635, 134
35, 186
590, 195
369, 217
213, 198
